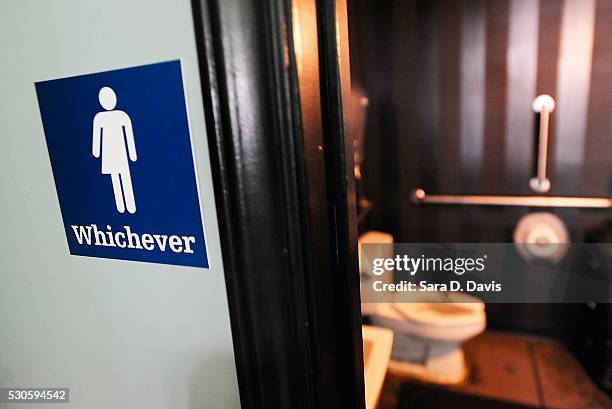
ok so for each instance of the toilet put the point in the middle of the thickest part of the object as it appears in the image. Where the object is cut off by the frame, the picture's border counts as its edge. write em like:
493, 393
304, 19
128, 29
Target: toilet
428, 334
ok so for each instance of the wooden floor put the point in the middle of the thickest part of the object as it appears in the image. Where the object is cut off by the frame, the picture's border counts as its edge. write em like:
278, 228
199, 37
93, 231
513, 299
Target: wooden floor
506, 372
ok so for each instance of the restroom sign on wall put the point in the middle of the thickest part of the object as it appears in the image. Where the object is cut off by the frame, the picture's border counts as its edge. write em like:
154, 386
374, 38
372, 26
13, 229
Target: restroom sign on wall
122, 161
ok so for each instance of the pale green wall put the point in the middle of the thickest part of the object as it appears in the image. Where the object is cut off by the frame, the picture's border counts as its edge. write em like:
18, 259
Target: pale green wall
119, 334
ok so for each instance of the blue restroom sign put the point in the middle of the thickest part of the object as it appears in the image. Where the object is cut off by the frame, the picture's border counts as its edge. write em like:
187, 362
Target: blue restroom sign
122, 161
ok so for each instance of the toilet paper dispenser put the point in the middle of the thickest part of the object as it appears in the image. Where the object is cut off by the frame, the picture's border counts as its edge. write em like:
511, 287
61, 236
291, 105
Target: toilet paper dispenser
544, 105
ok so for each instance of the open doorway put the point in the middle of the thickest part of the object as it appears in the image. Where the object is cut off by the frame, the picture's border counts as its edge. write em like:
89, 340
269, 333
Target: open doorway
447, 137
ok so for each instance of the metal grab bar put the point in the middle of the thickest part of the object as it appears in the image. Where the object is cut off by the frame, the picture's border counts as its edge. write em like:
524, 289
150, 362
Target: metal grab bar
544, 104
420, 197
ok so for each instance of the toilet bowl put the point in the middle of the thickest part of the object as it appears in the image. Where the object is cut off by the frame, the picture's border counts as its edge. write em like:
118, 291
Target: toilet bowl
429, 330
429, 335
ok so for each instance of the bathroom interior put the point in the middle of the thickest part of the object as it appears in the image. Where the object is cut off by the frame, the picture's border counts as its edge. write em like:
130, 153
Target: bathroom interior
444, 112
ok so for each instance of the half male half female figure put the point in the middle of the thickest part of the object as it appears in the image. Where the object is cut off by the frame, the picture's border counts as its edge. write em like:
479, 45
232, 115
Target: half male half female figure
113, 133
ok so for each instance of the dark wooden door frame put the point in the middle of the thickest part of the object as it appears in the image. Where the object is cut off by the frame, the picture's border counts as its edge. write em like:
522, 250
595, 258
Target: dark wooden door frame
285, 201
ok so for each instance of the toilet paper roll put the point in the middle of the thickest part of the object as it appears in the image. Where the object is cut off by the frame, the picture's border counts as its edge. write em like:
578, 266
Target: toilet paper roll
541, 235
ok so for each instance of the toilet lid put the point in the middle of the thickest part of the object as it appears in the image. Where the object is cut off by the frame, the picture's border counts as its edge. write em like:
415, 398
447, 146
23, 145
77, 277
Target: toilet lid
374, 236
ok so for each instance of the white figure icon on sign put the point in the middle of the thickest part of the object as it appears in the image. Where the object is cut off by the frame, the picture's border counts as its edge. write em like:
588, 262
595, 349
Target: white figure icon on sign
113, 130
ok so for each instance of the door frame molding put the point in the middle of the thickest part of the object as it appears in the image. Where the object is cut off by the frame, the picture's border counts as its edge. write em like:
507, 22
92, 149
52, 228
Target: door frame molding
293, 301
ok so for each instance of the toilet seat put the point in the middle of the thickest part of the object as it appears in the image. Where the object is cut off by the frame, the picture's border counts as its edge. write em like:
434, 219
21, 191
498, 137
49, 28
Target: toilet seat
453, 322
462, 310
442, 314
